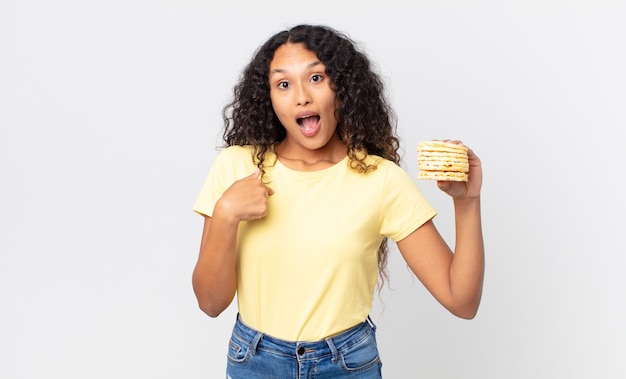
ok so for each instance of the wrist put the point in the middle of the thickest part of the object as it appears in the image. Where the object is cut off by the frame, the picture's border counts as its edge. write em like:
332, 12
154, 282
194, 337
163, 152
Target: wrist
223, 213
467, 202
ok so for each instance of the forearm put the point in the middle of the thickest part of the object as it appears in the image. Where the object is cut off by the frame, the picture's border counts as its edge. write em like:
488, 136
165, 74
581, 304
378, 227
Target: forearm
468, 262
215, 277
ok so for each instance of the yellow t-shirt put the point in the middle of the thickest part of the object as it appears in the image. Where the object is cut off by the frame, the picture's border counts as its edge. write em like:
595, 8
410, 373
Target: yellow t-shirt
308, 270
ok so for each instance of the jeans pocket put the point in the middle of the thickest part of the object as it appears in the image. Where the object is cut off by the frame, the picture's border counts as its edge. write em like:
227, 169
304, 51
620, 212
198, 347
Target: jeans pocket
237, 351
361, 356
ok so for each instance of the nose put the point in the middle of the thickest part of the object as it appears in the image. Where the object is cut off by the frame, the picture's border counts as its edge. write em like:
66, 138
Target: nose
303, 96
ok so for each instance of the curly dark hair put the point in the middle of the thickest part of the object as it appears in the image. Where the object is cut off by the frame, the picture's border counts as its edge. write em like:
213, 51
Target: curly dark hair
366, 121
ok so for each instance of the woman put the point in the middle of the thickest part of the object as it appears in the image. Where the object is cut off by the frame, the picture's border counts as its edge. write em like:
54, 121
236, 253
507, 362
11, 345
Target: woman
300, 205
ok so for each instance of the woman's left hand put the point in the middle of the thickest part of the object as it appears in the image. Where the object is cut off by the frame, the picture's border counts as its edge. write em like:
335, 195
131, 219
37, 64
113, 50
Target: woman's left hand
469, 189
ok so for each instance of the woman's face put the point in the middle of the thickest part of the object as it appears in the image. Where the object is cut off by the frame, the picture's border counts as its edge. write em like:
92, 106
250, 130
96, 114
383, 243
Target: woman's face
303, 99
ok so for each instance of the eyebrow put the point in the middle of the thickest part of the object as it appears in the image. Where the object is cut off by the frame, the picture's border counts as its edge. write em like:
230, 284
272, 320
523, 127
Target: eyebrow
280, 70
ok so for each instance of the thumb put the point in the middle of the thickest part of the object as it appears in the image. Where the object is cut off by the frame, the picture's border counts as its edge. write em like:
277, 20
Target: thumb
257, 175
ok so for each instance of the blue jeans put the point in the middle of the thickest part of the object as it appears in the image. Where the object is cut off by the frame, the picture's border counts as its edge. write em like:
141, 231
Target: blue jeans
351, 354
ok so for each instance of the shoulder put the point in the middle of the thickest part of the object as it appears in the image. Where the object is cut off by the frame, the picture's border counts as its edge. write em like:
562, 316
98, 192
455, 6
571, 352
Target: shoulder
384, 166
234, 161
236, 156
382, 175
391, 174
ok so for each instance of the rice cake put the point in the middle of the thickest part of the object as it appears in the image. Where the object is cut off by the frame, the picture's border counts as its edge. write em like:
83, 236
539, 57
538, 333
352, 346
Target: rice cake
439, 160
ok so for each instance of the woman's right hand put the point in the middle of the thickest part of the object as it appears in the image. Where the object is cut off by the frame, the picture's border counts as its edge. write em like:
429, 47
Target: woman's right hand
245, 199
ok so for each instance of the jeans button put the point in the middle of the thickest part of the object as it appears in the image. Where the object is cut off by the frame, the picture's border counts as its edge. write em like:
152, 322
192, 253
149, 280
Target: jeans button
300, 350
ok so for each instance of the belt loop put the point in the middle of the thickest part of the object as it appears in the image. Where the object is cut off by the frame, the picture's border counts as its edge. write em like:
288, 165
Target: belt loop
371, 322
255, 342
333, 350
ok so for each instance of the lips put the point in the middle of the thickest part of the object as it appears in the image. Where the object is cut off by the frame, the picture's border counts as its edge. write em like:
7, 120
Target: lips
309, 124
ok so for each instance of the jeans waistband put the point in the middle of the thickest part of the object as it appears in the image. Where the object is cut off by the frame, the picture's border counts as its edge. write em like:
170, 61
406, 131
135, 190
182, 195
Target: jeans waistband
303, 349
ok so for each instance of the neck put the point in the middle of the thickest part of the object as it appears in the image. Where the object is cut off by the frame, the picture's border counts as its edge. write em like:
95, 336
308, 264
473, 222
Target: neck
310, 160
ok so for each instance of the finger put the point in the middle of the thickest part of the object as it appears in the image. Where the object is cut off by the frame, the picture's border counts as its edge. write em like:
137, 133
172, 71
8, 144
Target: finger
256, 174
456, 141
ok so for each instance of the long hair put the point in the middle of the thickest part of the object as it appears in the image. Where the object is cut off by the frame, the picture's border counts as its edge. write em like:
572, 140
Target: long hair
366, 122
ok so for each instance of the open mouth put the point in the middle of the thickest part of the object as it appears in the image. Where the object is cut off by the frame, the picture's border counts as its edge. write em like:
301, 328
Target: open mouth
308, 122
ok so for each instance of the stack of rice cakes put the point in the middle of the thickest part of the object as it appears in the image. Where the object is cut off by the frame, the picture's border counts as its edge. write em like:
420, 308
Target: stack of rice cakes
439, 160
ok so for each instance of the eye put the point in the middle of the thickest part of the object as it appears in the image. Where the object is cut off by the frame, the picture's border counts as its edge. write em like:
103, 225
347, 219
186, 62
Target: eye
316, 78
283, 85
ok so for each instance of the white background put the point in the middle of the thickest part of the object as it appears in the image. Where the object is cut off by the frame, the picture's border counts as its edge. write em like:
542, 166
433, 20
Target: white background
110, 114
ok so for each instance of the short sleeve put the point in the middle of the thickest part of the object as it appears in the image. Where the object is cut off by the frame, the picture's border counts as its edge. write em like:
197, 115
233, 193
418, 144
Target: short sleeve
404, 206
231, 164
